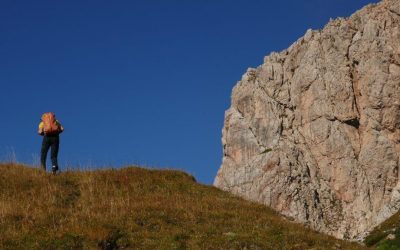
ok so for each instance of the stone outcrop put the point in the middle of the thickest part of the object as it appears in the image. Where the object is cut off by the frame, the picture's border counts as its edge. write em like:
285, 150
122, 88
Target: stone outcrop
314, 131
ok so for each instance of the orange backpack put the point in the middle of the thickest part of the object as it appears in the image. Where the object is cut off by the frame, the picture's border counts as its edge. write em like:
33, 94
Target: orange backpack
50, 125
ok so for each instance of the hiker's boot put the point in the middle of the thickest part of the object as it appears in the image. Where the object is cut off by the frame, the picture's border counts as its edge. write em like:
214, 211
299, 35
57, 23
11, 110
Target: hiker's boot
54, 169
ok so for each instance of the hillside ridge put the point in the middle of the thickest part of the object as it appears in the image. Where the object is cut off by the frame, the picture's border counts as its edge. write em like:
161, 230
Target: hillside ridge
137, 208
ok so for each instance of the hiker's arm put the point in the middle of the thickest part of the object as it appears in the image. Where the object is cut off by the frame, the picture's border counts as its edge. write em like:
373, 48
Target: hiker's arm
60, 126
40, 130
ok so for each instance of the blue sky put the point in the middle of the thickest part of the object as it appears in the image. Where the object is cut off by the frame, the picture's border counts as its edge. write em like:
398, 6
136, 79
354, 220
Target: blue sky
138, 82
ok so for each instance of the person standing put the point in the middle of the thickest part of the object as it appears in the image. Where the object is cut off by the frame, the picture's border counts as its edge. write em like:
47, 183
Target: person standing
50, 128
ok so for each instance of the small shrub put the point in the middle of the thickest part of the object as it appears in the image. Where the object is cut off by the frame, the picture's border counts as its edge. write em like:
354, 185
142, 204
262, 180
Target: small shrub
116, 239
372, 239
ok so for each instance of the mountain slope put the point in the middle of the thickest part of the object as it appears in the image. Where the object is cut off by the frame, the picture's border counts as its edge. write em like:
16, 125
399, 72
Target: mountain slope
136, 208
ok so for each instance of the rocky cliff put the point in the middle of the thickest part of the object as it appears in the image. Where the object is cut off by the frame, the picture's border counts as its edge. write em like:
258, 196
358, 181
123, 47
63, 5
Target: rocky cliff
314, 131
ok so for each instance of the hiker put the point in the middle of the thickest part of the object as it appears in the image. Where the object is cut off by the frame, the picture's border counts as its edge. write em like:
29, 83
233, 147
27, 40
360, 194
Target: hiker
50, 128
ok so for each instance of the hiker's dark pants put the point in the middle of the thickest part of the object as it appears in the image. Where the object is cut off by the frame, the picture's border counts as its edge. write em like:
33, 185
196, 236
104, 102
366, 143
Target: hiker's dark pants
52, 141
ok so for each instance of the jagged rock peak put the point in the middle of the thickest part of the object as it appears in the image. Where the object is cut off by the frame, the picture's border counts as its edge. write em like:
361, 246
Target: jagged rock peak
314, 131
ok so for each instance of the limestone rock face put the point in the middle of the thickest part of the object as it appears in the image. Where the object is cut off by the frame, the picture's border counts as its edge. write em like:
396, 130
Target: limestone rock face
314, 131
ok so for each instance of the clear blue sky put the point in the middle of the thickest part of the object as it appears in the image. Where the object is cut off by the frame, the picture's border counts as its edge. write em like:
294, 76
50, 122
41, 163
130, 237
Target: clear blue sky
138, 82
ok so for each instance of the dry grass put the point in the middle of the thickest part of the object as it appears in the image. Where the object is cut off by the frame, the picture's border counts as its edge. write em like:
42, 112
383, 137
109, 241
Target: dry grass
135, 208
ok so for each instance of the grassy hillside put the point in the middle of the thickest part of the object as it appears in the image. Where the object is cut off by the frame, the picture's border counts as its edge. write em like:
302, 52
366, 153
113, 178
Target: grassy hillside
387, 235
135, 208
